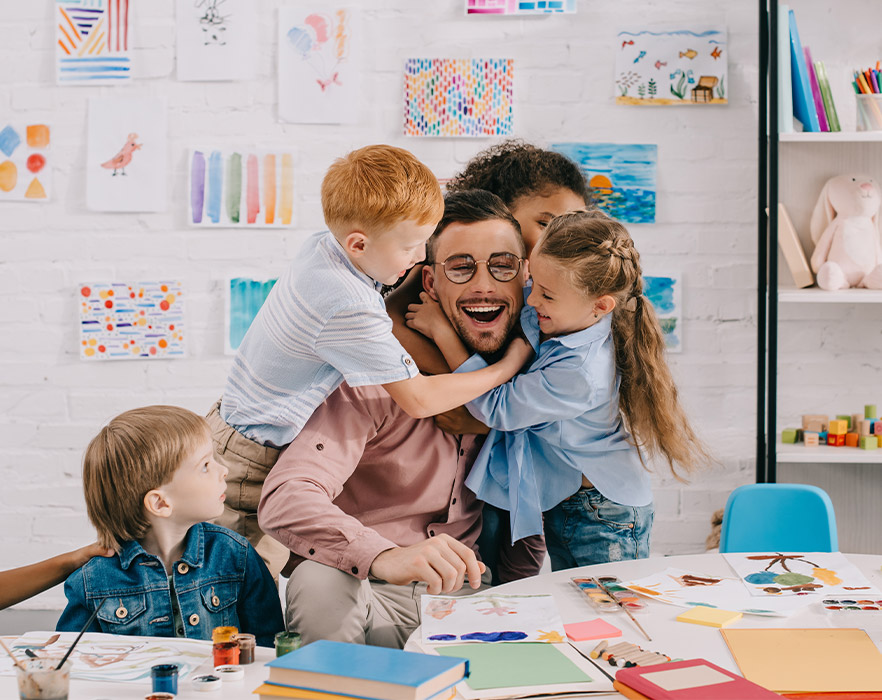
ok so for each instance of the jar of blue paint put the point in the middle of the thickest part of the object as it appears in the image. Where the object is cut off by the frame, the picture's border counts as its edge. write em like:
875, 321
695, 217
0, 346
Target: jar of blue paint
165, 678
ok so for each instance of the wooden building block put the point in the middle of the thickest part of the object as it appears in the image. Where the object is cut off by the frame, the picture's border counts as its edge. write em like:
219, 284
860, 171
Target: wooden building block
822, 437
865, 427
838, 427
869, 442
811, 439
855, 419
870, 411
851, 439
814, 418
836, 440
788, 436
816, 426
847, 420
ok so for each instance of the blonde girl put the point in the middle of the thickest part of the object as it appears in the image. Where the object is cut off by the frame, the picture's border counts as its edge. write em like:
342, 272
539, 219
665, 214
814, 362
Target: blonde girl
571, 433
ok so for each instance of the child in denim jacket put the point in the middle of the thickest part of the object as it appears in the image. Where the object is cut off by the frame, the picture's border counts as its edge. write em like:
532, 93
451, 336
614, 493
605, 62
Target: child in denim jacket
150, 482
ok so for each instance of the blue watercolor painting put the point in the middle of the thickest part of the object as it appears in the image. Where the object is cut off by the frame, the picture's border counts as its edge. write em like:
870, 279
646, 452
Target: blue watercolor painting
245, 296
664, 293
621, 175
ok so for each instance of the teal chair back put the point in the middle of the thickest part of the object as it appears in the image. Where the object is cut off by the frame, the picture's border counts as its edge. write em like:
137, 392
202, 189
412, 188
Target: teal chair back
777, 517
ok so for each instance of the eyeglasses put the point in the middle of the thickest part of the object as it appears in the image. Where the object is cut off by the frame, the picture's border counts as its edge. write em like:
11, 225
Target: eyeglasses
459, 269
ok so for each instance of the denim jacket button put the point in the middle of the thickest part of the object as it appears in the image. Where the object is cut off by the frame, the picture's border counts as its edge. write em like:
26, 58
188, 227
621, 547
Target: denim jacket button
215, 601
121, 612
193, 619
183, 568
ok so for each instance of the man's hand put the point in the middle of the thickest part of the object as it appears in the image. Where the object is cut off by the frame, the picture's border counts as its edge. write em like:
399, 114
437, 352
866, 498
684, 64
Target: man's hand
460, 422
442, 562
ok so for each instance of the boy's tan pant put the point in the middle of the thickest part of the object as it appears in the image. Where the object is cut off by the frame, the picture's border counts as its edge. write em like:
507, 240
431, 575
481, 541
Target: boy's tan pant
248, 463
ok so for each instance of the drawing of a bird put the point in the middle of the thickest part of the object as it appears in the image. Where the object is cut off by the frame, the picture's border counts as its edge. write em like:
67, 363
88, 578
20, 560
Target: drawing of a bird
334, 79
690, 54
659, 64
716, 53
124, 157
628, 43
641, 55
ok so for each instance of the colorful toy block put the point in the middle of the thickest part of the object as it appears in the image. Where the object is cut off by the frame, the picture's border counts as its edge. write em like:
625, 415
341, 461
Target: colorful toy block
855, 419
865, 427
788, 436
838, 427
836, 440
869, 442
847, 420
822, 437
870, 411
815, 422
876, 427
811, 439
851, 439
799, 433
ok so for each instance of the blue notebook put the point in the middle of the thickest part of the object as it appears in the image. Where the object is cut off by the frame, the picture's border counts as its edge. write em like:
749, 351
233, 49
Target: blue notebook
366, 671
803, 101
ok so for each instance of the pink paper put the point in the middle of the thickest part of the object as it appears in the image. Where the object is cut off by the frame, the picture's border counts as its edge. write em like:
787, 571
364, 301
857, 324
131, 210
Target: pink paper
591, 629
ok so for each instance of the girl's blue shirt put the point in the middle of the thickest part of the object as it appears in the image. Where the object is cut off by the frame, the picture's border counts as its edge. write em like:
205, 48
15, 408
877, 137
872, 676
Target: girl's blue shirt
554, 423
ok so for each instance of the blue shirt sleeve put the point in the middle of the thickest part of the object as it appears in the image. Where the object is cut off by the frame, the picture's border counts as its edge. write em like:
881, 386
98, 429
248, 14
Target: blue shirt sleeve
258, 607
75, 613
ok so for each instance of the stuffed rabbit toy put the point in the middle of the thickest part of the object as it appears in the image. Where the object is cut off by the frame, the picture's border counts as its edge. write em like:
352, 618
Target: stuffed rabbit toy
848, 251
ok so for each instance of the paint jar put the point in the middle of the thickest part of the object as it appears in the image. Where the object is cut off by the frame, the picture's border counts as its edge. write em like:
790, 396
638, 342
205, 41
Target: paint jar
226, 653
286, 641
223, 634
160, 696
41, 680
165, 678
247, 643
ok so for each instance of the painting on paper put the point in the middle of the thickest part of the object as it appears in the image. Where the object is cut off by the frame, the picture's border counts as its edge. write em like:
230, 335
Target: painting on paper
671, 67
25, 163
244, 297
131, 321
216, 40
795, 573
111, 657
519, 7
319, 77
666, 296
622, 177
240, 188
485, 617
458, 97
92, 42
126, 159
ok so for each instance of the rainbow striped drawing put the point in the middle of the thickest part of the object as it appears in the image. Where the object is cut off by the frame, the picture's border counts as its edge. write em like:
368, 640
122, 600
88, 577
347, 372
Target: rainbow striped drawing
92, 42
240, 188
458, 97
519, 7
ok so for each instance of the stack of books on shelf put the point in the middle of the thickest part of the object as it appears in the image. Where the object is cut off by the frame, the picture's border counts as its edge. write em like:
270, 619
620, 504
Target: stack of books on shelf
803, 86
327, 670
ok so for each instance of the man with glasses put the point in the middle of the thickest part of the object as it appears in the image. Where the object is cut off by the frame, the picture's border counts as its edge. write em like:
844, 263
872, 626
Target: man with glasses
371, 502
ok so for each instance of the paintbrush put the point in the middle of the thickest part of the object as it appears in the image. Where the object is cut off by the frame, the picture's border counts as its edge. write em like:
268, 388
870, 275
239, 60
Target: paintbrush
12, 656
623, 607
85, 627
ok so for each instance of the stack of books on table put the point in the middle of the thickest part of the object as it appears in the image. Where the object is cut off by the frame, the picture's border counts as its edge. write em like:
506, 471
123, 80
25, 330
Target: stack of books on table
327, 670
695, 679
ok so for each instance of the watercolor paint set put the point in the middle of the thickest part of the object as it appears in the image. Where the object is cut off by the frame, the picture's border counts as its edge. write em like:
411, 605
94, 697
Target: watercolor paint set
603, 592
839, 605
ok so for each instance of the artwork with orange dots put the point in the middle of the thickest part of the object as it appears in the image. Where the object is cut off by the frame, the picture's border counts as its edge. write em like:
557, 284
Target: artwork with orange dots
458, 97
25, 167
131, 321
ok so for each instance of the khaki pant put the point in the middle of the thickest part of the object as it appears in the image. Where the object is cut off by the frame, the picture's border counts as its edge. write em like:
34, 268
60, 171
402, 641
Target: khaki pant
248, 463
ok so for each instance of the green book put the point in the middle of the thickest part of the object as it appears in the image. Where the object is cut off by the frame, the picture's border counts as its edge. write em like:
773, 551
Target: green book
827, 96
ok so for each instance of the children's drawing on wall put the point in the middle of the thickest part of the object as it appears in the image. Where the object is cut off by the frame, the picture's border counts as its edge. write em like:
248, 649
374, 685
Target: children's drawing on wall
676, 67
244, 297
131, 321
25, 168
126, 164
621, 175
519, 7
240, 188
216, 39
487, 617
318, 64
665, 294
458, 97
92, 42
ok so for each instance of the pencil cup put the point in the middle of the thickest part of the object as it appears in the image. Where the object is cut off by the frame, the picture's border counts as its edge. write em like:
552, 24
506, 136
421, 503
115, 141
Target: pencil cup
869, 112
40, 680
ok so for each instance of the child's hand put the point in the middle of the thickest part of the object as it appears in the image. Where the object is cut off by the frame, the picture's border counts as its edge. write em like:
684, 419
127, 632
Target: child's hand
518, 353
80, 556
459, 421
427, 317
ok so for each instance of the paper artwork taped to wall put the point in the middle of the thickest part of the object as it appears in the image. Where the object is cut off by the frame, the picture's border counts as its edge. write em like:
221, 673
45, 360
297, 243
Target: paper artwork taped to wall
92, 42
244, 297
25, 163
131, 321
675, 67
487, 617
216, 39
458, 97
666, 296
126, 159
793, 573
319, 60
519, 7
240, 188
622, 177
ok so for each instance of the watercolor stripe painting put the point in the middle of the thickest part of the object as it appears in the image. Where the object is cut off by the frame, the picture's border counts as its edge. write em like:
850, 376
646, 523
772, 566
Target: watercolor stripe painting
240, 188
131, 321
25, 166
519, 7
458, 97
666, 296
244, 297
92, 42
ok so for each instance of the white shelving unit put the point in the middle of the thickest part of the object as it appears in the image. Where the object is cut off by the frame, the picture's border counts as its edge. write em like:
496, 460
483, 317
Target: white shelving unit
824, 454
831, 136
814, 295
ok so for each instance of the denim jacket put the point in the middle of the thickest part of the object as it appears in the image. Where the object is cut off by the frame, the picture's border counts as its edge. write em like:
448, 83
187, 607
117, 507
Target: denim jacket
219, 580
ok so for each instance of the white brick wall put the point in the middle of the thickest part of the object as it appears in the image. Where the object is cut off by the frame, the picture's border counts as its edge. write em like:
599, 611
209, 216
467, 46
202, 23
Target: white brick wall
51, 404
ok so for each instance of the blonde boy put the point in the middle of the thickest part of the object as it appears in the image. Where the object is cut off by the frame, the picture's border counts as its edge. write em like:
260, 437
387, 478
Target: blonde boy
150, 482
325, 322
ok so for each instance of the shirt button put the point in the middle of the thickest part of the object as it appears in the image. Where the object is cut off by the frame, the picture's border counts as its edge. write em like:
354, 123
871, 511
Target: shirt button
183, 568
215, 601
408, 361
320, 447
311, 551
355, 570
121, 612
193, 619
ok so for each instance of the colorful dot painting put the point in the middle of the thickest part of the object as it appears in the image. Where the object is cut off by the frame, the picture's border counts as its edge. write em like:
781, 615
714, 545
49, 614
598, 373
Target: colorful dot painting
25, 173
519, 7
131, 321
458, 97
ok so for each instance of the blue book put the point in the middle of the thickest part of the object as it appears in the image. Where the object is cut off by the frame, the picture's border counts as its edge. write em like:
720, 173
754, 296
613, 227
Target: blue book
366, 671
785, 84
803, 101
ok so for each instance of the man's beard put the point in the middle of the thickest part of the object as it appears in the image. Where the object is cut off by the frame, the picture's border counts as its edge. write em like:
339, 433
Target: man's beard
488, 344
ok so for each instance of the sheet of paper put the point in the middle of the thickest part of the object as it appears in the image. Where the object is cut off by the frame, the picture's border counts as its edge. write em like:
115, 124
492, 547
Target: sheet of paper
774, 574
591, 629
217, 39
92, 42
244, 297
25, 162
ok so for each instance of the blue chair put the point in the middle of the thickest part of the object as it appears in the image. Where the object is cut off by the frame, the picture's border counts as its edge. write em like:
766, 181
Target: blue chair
778, 517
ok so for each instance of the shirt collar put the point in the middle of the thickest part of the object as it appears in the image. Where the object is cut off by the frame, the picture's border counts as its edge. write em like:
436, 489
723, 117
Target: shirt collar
333, 246
194, 549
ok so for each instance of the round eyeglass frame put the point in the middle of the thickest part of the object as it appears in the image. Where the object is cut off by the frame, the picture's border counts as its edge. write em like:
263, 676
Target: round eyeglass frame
475, 263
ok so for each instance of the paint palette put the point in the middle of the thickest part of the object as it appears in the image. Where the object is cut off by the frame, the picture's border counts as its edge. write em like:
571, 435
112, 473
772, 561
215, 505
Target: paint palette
852, 604
606, 602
